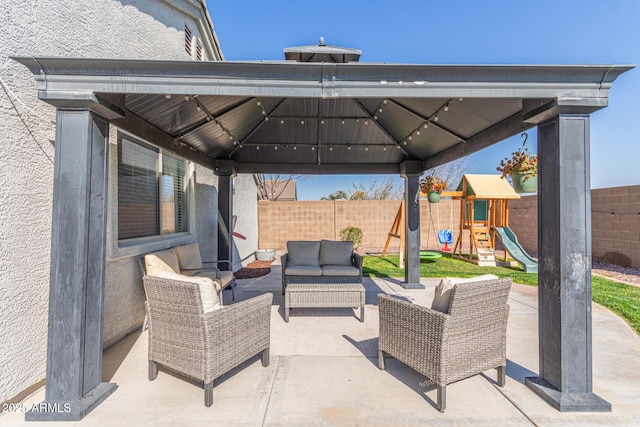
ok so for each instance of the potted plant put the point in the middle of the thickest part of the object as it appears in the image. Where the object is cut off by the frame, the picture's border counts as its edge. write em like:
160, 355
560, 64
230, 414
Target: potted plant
522, 169
432, 186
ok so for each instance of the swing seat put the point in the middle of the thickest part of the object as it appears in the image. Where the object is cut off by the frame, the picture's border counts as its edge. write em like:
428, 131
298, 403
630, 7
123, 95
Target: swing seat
445, 237
430, 256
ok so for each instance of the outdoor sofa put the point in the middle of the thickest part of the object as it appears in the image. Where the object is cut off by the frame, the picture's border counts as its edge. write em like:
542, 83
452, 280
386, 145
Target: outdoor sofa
463, 334
321, 261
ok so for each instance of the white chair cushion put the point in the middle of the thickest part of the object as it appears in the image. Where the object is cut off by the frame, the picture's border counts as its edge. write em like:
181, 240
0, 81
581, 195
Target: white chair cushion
208, 294
335, 253
443, 290
158, 262
225, 277
189, 256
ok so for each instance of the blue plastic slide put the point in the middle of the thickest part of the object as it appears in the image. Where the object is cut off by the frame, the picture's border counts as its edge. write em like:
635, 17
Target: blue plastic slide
510, 242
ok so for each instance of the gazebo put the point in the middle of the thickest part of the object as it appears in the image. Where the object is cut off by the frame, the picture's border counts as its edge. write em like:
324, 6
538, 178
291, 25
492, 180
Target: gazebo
319, 118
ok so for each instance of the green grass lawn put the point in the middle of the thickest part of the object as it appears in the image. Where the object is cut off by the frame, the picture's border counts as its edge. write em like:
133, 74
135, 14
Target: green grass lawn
620, 298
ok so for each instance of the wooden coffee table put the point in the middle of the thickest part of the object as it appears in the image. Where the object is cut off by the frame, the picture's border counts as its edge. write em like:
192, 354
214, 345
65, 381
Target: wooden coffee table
324, 292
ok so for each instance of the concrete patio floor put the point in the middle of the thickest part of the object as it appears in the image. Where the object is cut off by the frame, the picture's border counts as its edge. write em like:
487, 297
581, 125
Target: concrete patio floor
323, 372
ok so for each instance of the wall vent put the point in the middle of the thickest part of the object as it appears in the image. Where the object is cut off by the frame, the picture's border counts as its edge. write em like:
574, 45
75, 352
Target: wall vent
188, 40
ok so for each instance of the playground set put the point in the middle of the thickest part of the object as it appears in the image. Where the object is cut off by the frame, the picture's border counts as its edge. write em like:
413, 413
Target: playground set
484, 217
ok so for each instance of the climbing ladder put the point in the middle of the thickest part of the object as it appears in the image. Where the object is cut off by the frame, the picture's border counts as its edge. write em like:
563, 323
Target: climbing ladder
484, 246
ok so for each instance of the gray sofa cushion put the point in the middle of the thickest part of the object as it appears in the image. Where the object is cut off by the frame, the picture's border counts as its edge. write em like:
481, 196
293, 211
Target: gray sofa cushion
303, 253
303, 270
340, 270
335, 253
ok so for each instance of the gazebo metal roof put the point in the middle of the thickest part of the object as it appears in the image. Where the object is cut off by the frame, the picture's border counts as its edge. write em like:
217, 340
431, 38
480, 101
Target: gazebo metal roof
285, 116
296, 117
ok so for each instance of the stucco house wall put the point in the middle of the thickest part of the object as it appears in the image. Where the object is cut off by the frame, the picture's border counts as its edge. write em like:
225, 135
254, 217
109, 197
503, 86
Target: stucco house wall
137, 29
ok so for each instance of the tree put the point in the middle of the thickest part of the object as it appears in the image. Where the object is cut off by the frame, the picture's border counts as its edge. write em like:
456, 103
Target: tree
378, 190
336, 195
451, 172
271, 187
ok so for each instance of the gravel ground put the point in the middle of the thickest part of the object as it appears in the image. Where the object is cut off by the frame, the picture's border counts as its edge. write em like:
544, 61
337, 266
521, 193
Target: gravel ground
621, 274
627, 275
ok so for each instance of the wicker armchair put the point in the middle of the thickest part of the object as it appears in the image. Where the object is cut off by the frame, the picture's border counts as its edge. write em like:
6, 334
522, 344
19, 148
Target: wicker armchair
448, 347
201, 345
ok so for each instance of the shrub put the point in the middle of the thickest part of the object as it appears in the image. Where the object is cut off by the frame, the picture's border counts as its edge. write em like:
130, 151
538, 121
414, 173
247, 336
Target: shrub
352, 234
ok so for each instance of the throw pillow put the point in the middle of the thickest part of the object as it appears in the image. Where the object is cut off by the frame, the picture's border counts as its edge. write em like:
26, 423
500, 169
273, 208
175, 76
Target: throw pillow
157, 262
443, 292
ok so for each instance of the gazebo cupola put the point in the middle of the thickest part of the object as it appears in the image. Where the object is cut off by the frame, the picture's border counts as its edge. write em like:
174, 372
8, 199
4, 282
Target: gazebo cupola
322, 53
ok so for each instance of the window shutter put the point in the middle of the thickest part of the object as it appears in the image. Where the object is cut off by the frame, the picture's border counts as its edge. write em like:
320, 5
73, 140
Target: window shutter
137, 191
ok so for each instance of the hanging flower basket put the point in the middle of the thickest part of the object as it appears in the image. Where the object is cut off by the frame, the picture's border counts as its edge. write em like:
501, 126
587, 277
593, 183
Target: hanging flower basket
433, 197
522, 168
524, 182
432, 186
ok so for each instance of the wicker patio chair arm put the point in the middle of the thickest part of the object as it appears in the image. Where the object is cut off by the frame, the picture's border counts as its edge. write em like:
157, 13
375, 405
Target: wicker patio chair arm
203, 269
284, 259
357, 261
237, 332
222, 261
415, 335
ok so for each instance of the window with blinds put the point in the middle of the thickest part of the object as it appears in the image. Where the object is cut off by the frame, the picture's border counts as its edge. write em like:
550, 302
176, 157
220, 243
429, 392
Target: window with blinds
152, 191
174, 195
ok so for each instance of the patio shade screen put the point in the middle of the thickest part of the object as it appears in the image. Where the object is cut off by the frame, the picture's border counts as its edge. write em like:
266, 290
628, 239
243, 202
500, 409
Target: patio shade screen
137, 190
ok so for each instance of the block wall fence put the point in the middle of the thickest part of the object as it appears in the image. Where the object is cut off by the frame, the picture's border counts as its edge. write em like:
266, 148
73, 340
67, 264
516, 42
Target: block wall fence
615, 223
279, 222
